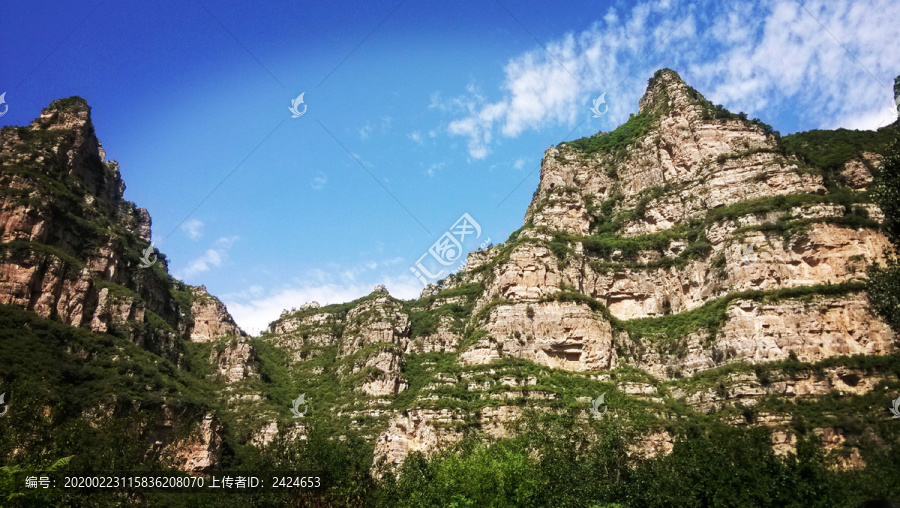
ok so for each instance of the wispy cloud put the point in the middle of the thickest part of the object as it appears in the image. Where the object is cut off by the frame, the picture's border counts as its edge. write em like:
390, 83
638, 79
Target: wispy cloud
434, 168
364, 131
319, 181
759, 58
254, 310
213, 257
193, 228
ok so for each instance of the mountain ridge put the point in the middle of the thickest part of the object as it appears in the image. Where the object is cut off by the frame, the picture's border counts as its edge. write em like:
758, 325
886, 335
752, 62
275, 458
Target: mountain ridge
693, 266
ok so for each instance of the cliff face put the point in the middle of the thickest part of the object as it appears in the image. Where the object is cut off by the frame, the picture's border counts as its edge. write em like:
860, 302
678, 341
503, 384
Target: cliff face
690, 265
683, 208
687, 240
72, 249
72, 245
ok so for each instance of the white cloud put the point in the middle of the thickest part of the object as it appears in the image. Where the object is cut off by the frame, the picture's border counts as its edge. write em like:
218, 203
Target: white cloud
364, 131
192, 228
214, 257
434, 168
519, 164
416, 136
254, 310
759, 58
319, 181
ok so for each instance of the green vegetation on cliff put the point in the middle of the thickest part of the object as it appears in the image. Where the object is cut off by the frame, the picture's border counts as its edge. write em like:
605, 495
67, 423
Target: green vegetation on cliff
884, 282
618, 140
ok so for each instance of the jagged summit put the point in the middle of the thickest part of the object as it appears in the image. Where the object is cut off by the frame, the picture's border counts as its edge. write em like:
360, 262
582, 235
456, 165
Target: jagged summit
667, 91
71, 112
686, 264
72, 244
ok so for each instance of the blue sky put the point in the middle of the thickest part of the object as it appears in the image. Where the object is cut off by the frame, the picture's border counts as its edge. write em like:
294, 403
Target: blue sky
417, 112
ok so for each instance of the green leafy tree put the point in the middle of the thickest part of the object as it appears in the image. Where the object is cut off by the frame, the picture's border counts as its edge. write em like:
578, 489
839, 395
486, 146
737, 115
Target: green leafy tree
884, 283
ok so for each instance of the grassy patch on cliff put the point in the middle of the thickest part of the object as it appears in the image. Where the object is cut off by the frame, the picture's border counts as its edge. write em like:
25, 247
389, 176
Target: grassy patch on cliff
76, 369
618, 140
829, 149
424, 317
95, 398
711, 316
884, 282
20, 249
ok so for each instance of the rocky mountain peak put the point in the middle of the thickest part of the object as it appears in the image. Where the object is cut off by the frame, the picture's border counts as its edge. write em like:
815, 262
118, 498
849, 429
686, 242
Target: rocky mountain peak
72, 245
70, 113
667, 91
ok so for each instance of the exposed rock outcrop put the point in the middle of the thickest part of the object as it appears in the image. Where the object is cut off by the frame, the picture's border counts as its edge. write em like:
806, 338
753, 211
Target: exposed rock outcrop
201, 451
210, 319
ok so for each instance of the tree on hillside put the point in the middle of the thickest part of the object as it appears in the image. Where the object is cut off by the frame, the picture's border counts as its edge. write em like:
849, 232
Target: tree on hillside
884, 283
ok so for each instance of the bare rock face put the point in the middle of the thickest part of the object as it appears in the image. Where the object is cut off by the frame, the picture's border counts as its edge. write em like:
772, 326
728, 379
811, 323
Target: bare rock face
833, 441
756, 332
113, 310
445, 339
531, 273
654, 444
416, 430
557, 334
210, 317
376, 334
72, 245
857, 172
378, 320
812, 330
201, 451
384, 369
236, 361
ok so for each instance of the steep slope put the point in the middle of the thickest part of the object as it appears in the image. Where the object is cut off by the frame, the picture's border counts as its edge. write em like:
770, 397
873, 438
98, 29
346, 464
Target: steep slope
82, 313
688, 285
72, 245
690, 262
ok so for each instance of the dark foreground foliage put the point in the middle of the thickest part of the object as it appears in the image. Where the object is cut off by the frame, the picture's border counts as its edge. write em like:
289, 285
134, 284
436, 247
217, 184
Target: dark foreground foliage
555, 464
